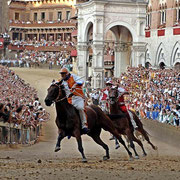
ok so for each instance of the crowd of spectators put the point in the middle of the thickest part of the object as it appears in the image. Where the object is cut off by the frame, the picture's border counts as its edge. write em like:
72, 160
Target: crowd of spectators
153, 93
61, 59
20, 99
51, 42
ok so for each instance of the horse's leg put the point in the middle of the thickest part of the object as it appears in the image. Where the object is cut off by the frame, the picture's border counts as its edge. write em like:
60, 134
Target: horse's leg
127, 140
140, 144
59, 139
98, 140
130, 137
114, 131
144, 133
117, 146
80, 147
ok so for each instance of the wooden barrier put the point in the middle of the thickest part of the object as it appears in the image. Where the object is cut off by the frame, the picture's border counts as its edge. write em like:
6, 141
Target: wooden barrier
10, 125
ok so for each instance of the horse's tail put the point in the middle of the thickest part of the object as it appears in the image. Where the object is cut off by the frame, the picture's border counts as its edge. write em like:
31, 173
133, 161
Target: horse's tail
139, 124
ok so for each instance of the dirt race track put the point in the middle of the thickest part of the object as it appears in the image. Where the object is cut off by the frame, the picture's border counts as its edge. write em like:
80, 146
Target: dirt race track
41, 162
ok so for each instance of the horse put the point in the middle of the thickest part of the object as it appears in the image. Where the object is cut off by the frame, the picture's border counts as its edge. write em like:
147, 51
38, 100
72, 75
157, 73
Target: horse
114, 107
68, 121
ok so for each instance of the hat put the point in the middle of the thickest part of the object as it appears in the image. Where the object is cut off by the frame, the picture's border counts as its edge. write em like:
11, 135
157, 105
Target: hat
64, 71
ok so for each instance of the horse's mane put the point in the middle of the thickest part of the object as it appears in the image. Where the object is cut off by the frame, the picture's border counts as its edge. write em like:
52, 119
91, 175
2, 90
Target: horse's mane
67, 118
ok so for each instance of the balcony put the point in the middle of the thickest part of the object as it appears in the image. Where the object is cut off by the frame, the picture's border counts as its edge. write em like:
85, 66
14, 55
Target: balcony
40, 48
41, 24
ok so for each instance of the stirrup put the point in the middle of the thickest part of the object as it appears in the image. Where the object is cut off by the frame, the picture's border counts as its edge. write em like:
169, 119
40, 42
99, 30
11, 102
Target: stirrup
86, 130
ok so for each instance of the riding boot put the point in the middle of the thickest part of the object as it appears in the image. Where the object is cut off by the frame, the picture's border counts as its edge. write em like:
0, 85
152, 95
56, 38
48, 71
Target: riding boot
83, 121
132, 119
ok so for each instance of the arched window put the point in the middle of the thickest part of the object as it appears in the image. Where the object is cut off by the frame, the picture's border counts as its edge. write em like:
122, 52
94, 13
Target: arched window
163, 9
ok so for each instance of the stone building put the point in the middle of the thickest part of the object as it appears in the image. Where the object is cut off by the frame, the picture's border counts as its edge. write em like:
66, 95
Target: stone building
163, 34
110, 24
3, 15
42, 19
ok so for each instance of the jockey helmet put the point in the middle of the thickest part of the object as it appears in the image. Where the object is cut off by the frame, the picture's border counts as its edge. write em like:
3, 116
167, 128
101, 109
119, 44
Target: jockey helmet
64, 71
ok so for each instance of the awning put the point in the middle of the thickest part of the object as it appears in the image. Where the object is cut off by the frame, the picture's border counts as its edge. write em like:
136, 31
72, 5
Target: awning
74, 53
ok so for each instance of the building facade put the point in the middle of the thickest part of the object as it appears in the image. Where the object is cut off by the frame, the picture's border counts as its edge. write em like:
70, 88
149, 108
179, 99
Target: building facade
163, 33
43, 19
3, 16
110, 24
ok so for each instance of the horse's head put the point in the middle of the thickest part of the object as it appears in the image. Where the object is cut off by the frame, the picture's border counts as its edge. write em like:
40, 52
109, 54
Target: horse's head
113, 95
55, 93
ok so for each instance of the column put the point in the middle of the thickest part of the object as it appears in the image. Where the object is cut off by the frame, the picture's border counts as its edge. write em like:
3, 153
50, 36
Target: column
98, 66
122, 58
82, 59
98, 52
138, 54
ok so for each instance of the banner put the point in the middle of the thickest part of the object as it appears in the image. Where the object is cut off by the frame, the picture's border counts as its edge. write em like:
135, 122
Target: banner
1, 43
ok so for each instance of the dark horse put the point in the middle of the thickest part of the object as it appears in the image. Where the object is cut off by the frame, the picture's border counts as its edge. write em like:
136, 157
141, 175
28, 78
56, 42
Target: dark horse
68, 121
114, 109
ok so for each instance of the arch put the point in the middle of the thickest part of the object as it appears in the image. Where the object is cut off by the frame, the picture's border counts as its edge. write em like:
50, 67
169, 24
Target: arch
162, 65
175, 55
148, 55
86, 29
125, 24
147, 65
160, 54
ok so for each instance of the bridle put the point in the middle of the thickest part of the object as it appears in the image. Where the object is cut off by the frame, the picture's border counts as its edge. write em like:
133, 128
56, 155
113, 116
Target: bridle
57, 99
113, 98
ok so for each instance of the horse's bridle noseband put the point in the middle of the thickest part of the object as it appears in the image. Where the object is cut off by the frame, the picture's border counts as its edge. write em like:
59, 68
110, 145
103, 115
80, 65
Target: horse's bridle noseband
57, 99
114, 97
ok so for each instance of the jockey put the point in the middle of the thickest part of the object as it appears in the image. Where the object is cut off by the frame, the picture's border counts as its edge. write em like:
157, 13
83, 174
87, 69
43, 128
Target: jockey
121, 101
74, 92
104, 96
123, 107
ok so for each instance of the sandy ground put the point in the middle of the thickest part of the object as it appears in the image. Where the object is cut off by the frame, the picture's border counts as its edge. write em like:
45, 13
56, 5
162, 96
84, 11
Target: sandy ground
41, 162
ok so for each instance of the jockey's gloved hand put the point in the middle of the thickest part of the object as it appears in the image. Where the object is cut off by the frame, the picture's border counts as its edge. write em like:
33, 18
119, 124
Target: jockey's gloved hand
74, 86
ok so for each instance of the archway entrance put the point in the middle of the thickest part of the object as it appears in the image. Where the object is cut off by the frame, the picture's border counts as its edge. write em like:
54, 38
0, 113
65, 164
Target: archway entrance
177, 66
162, 65
147, 65
89, 51
118, 42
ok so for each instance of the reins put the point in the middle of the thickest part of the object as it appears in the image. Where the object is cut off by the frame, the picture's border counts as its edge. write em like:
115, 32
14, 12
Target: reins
57, 99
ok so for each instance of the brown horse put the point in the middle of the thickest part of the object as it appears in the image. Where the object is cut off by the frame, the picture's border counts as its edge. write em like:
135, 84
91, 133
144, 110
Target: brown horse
114, 108
68, 121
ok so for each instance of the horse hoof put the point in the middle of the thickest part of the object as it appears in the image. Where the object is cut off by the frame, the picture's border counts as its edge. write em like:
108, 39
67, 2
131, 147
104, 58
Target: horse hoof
84, 160
57, 149
105, 158
136, 157
144, 155
117, 146
131, 159
155, 148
